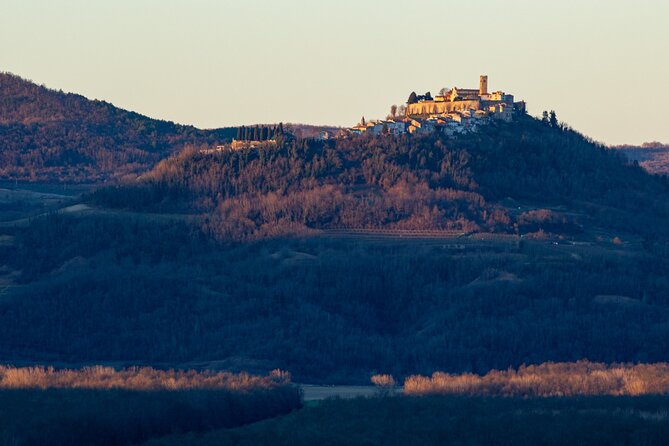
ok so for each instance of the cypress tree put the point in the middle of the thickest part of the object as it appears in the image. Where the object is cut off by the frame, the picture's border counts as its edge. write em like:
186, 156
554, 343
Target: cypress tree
553, 119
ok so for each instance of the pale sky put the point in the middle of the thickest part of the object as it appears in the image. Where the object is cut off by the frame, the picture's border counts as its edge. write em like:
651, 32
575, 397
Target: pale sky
603, 65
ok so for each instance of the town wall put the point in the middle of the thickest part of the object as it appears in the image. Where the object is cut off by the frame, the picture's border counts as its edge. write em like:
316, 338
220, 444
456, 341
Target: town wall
430, 107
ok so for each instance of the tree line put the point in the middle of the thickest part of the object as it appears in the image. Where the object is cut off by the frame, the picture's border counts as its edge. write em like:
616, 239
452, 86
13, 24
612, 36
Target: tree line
549, 380
259, 132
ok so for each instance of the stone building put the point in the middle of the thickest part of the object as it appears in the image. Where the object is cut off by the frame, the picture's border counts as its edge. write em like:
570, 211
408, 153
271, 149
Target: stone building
498, 104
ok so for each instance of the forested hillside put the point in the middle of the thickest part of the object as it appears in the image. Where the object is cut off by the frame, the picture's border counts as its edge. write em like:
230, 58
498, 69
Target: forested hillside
114, 289
468, 183
544, 246
48, 135
246, 263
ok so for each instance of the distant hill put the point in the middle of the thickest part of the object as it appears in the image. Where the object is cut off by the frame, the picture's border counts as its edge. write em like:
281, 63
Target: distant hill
48, 135
652, 156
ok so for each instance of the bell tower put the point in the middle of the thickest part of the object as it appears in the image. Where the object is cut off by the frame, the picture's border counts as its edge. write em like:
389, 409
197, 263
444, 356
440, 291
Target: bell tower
483, 85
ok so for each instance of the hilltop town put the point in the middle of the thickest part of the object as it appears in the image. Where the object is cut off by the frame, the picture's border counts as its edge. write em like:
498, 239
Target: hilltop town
454, 110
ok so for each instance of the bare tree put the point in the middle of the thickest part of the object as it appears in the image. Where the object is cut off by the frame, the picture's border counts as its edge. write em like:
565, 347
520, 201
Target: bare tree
385, 384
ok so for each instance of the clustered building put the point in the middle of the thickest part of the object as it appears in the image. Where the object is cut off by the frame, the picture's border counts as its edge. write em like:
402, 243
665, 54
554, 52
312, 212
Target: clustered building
456, 110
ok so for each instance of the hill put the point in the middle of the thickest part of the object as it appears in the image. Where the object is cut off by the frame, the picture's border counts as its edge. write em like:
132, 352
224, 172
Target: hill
653, 156
522, 243
48, 135
524, 176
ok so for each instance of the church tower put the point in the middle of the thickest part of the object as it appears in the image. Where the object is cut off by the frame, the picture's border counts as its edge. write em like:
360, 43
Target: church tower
483, 85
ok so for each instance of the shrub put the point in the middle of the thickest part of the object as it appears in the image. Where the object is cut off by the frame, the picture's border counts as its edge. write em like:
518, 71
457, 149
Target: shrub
548, 380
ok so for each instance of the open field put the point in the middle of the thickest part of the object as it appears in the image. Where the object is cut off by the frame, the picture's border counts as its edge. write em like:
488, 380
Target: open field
425, 421
59, 189
21, 202
313, 392
16, 204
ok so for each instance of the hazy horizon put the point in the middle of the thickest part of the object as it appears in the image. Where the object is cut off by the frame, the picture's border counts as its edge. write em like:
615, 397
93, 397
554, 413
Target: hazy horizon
217, 64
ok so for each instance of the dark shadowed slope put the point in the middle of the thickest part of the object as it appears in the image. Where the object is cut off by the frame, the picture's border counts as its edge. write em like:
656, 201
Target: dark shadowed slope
453, 420
48, 135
